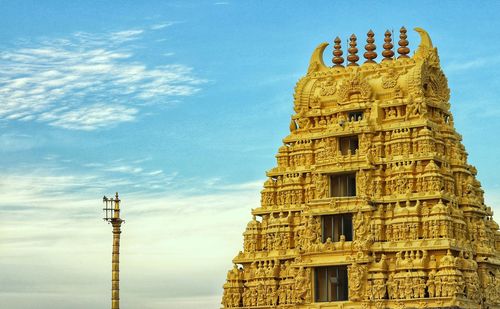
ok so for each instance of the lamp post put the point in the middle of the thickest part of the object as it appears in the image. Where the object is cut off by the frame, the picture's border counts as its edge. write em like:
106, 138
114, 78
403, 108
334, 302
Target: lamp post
112, 215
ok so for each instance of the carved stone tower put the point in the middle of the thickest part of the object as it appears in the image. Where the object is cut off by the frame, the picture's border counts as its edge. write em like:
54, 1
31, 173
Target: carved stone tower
373, 203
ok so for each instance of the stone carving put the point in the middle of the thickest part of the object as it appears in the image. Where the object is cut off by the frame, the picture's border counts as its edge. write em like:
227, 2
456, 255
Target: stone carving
356, 281
416, 108
373, 184
328, 87
321, 185
352, 86
390, 80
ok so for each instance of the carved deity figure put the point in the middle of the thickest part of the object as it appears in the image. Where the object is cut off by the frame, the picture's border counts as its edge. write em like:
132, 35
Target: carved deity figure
321, 186
356, 277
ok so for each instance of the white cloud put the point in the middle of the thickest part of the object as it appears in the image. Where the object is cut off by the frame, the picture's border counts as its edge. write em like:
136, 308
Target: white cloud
157, 172
127, 35
90, 117
51, 229
125, 169
161, 25
86, 81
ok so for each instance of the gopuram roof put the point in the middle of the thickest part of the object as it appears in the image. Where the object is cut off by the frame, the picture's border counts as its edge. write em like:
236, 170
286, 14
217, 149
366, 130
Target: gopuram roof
372, 203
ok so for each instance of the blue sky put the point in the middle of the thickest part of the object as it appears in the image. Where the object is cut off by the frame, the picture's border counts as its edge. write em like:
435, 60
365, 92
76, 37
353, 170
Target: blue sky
180, 106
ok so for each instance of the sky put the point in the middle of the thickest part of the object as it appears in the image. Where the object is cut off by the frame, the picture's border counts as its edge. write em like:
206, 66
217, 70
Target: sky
180, 106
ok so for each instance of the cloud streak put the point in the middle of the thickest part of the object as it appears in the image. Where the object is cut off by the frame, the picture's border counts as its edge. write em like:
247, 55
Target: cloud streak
52, 230
161, 25
87, 81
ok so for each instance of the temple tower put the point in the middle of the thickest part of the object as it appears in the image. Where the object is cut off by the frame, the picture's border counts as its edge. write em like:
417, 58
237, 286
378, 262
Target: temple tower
372, 203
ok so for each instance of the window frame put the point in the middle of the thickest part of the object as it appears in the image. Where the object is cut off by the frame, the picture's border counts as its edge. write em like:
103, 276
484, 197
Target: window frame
334, 233
350, 184
356, 115
341, 286
352, 144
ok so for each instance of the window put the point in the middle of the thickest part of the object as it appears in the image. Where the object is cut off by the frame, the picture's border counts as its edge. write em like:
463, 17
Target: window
355, 116
343, 185
348, 145
334, 226
331, 283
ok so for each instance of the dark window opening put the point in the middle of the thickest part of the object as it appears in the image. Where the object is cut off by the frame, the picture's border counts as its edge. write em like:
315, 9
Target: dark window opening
343, 185
348, 145
355, 116
336, 225
331, 284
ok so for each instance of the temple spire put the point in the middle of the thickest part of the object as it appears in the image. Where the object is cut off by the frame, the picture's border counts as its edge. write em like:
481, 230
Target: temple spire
359, 210
352, 57
370, 47
337, 53
403, 50
388, 53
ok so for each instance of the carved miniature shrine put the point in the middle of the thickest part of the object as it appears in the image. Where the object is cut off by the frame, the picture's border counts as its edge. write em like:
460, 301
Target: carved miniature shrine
372, 203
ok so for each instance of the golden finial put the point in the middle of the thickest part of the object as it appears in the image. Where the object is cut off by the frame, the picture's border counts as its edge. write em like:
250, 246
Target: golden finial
403, 50
388, 53
337, 53
352, 57
370, 47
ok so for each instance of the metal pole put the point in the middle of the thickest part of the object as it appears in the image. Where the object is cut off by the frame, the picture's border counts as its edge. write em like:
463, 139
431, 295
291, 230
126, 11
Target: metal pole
115, 265
112, 215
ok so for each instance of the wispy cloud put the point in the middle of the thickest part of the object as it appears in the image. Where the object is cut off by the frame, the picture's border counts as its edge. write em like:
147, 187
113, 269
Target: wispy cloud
57, 177
51, 228
86, 81
126, 35
161, 25
89, 117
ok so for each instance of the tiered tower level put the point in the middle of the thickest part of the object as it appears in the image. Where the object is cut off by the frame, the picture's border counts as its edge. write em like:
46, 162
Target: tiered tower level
373, 203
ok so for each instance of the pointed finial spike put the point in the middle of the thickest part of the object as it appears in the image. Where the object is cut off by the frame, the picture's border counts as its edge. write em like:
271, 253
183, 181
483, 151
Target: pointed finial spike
425, 39
352, 57
316, 62
337, 53
403, 50
388, 53
370, 48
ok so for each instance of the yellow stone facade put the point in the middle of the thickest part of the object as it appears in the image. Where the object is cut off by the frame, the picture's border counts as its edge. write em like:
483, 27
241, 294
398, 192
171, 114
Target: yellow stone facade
372, 203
